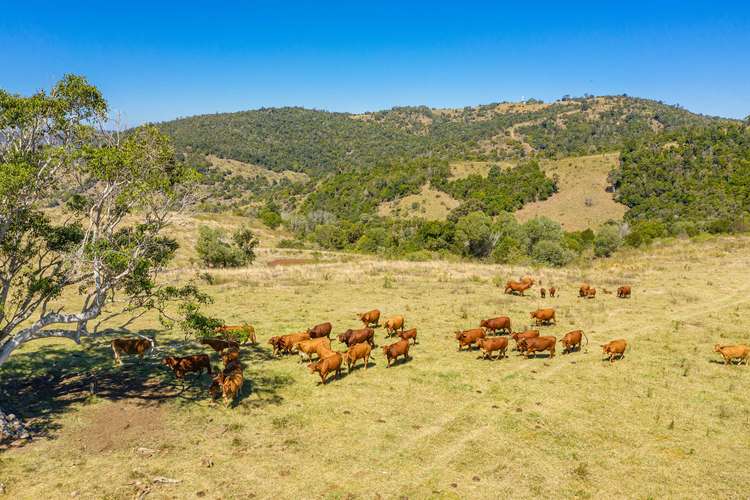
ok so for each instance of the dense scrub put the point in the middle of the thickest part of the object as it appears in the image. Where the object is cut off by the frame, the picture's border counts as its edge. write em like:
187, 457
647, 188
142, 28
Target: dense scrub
687, 180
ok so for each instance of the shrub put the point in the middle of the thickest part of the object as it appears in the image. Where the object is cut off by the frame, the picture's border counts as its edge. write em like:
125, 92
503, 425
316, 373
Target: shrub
607, 241
552, 253
644, 232
215, 251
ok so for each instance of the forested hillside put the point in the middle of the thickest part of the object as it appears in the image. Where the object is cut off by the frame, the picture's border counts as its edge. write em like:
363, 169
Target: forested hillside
697, 178
320, 142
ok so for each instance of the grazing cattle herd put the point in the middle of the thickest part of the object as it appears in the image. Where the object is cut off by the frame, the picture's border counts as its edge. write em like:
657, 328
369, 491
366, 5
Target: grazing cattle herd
316, 342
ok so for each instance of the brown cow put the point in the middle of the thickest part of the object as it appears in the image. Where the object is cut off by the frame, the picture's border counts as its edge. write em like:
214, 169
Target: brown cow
552, 291
289, 341
491, 344
321, 330
357, 352
573, 340
623, 292
229, 383
219, 345
187, 364
519, 287
615, 348
233, 332
393, 324
276, 344
409, 334
543, 293
730, 352
469, 337
370, 317
591, 293
540, 344
351, 337
521, 336
583, 290
542, 316
230, 356
331, 363
393, 351
495, 324
312, 346
131, 346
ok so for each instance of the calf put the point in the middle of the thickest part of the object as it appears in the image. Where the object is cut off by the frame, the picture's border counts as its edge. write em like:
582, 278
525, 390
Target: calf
219, 345
623, 292
730, 352
409, 334
187, 364
312, 346
542, 316
469, 337
229, 383
351, 337
543, 293
321, 330
583, 290
393, 324
519, 337
370, 317
131, 346
491, 344
500, 323
540, 344
323, 367
572, 340
357, 352
552, 291
615, 349
393, 351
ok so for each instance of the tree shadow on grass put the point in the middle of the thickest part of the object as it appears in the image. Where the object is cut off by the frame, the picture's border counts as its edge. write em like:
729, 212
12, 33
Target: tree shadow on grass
41, 384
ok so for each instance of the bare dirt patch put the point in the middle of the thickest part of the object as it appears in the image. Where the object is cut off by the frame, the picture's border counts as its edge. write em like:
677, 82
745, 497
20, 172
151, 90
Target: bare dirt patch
119, 426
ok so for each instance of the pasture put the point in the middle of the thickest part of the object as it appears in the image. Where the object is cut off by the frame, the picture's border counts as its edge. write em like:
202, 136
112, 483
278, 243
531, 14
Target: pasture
669, 420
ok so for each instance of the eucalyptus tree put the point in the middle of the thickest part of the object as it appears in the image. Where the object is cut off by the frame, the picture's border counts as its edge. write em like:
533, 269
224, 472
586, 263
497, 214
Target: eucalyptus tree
82, 214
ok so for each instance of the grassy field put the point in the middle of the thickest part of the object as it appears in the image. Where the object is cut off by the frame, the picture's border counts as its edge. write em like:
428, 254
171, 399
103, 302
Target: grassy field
579, 179
667, 421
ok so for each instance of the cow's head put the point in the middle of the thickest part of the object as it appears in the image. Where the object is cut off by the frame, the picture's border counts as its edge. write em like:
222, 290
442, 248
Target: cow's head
533, 314
170, 361
717, 348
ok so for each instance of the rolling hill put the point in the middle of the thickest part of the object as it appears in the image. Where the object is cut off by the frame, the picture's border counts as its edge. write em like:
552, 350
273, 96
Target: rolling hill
320, 142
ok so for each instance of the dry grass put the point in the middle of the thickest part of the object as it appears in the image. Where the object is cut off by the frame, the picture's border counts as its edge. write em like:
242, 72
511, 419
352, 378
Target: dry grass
237, 167
582, 201
429, 204
667, 421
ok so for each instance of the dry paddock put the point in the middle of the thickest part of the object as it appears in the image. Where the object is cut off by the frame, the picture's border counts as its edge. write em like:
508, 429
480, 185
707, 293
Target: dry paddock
667, 421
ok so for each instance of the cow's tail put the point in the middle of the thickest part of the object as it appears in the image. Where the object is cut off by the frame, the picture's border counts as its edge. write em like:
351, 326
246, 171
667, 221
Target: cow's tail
584, 336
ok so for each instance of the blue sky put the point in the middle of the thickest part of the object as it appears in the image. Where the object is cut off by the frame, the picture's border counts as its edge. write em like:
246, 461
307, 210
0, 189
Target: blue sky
183, 58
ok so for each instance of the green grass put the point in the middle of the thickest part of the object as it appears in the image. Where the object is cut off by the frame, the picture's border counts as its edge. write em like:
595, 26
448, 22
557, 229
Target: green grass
667, 421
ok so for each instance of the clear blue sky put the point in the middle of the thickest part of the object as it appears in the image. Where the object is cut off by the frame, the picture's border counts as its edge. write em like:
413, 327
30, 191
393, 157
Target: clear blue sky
184, 58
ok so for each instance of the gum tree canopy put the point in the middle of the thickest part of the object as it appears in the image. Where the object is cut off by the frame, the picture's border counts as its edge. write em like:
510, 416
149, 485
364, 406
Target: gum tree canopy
82, 211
